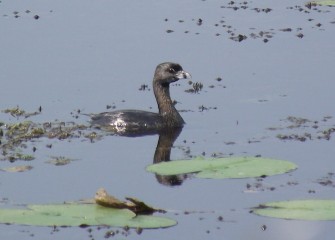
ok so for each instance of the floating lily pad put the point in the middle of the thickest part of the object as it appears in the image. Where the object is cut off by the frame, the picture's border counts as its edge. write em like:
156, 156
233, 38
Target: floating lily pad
324, 2
80, 214
140, 221
300, 209
234, 167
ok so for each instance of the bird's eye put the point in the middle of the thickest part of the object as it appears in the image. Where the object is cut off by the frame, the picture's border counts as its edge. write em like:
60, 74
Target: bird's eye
171, 70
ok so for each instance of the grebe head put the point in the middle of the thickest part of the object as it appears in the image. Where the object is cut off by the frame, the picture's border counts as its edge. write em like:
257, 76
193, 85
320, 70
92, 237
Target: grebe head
168, 72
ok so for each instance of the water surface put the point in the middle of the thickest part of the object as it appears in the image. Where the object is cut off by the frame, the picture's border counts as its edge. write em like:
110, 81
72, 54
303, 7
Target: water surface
84, 55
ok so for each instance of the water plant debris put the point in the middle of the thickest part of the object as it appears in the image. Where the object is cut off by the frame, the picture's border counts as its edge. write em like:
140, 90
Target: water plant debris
104, 199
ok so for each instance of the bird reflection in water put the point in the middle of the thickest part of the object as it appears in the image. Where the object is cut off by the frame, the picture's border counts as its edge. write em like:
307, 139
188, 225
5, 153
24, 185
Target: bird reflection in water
162, 154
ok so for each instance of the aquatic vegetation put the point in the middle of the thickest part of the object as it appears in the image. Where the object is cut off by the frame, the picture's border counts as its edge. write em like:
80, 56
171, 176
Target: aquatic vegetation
74, 215
108, 210
305, 129
218, 168
321, 2
139, 207
18, 112
15, 169
59, 161
14, 137
314, 209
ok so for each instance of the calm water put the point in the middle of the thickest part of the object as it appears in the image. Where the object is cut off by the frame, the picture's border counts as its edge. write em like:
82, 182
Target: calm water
86, 55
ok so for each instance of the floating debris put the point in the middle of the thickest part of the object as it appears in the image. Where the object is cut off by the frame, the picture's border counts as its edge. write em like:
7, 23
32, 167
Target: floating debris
17, 112
60, 161
196, 87
14, 137
297, 123
104, 199
17, 169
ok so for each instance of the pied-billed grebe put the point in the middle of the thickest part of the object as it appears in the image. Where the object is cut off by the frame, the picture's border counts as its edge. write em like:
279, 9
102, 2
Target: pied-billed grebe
136, 121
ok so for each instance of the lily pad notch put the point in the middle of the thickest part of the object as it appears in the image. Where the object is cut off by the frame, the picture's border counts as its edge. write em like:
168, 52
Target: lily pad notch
221, 168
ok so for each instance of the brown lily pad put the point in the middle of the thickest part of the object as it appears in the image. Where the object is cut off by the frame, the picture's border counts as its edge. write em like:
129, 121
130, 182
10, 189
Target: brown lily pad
104, 199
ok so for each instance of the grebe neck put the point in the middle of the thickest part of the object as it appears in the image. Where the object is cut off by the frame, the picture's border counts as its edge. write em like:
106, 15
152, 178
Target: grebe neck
165, 104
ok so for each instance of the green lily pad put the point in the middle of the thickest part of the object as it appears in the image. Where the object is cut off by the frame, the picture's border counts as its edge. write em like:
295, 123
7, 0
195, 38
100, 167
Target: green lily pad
140, 221
324, 2
300, 210
80, 214
233, 167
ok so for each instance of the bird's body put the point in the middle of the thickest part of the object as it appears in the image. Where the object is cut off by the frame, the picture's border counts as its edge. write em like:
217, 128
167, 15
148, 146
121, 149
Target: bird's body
137, 121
